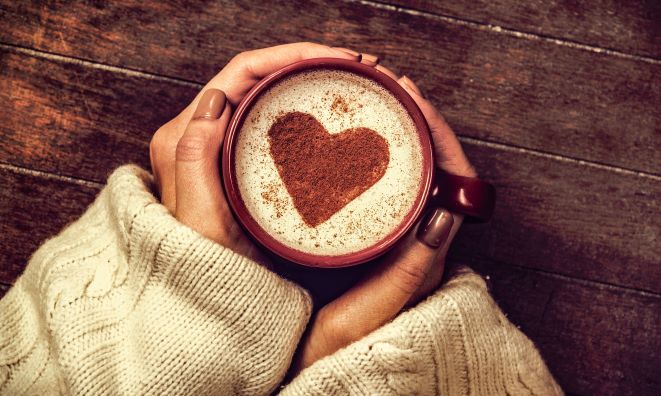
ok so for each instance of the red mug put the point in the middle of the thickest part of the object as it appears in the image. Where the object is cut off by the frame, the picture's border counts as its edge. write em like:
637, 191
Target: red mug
469, 196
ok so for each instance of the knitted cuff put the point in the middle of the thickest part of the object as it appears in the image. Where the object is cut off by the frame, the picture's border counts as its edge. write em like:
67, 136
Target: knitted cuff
128, 300
455, 342
253, 318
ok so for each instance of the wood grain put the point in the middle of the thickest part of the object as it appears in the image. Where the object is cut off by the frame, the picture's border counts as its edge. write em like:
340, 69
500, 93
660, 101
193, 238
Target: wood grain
552, 214
492, 86
568, 218
566, 234
615, 332
628, 26
79, 121
32, 209
596, 339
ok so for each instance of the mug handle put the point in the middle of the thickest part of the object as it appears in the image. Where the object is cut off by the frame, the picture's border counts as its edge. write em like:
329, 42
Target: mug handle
472, 197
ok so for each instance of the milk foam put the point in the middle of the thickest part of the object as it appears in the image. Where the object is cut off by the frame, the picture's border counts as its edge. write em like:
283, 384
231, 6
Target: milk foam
338, 100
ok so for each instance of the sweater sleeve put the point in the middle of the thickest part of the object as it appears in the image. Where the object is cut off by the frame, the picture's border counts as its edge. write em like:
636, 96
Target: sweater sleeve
126, 300
457, 342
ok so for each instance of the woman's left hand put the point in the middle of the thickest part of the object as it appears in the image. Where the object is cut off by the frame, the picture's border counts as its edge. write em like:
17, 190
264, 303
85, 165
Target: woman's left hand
184, 152
406, 274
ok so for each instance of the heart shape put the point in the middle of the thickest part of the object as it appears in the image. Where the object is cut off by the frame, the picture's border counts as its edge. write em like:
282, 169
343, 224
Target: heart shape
323, 172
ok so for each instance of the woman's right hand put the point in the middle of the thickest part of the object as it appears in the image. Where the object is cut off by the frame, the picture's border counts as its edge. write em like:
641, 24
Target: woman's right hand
406, 274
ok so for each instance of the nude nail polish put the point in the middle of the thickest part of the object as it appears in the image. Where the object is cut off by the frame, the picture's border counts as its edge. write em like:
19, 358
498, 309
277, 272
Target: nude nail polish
211, 105
370, 60
435, 227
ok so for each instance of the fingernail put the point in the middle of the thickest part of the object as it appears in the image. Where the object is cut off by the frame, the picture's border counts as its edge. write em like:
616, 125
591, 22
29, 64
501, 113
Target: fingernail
211, 105
435, 227
370, 60
407, 81
351, 52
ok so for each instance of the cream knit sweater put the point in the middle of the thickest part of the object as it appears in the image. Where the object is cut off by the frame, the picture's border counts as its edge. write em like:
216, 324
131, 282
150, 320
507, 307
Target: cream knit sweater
126, 300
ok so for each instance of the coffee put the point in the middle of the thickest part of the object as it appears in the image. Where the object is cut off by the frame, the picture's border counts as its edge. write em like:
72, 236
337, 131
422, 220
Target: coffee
328, 162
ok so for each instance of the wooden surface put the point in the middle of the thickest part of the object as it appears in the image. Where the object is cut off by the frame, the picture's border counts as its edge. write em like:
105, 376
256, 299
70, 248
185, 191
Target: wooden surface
559, 109
629, 27
491, 86
32, 208
80, 121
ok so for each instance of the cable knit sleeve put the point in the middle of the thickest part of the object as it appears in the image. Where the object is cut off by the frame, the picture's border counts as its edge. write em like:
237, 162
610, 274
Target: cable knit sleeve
126, 300
457, 342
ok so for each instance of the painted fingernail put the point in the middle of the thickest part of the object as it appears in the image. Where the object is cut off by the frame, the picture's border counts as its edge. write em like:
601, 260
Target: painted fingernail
407, 81
351, 52
370, 60
435, 227
211, 105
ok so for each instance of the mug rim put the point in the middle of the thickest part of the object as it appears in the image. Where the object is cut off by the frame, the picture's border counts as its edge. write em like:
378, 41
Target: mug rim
252, 227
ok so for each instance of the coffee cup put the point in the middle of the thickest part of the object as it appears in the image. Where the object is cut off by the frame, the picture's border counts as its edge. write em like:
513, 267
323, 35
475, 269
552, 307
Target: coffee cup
329, 162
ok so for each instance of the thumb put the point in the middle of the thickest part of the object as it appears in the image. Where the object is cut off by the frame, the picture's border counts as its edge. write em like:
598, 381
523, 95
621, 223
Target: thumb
386, 291
380, 296
199, 193
383, 293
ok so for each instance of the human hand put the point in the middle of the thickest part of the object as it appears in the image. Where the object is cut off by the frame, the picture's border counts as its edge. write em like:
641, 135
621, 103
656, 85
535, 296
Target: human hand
184, 156
184, 152
405, 275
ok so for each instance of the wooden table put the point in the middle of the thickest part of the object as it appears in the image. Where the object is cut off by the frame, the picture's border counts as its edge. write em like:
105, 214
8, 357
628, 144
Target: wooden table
556, 102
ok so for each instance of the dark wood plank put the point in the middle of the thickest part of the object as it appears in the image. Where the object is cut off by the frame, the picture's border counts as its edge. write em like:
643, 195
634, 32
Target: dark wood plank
32, 209
628, 26
568, 218
553, 214
615, 332
596, 339
79, 121
492, 86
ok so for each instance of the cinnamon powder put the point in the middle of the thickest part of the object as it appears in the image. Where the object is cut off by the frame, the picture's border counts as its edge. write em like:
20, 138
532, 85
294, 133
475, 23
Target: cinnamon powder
323, 172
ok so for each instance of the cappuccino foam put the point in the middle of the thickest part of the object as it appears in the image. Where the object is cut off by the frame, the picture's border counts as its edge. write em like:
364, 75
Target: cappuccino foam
339, 100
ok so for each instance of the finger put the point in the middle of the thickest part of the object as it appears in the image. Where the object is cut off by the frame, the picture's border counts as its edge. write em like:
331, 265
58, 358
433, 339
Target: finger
435, 275
377, 298
351, 52
249, 67
407, 83
450, 157
167, 186
199, 193
369, 59
384, 292
162, 156
154, 169
387, 72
